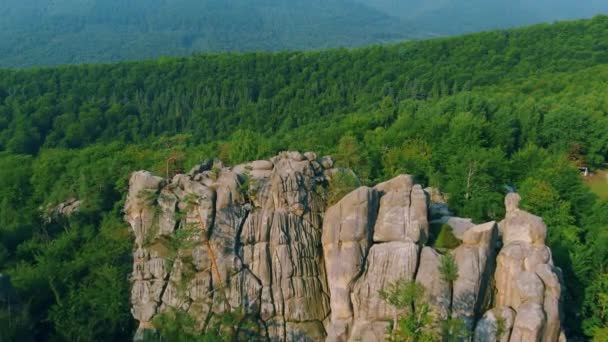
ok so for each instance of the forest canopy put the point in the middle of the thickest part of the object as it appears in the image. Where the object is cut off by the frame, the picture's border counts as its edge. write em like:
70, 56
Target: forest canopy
54, 32
470, 115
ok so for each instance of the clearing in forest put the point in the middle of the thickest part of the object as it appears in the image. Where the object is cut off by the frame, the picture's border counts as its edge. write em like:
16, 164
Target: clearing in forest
598, 182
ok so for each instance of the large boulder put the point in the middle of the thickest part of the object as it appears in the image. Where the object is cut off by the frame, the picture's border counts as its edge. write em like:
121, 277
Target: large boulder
403, 214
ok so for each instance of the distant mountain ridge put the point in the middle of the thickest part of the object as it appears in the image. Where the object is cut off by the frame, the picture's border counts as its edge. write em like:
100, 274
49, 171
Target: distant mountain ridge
447, 17
52, 32
61, 32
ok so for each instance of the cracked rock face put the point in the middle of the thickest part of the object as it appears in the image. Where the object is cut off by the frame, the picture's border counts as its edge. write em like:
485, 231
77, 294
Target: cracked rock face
259, 237
526, 280
223, 238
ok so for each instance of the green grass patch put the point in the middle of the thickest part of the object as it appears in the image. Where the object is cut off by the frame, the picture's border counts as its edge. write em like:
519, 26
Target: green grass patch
598, 183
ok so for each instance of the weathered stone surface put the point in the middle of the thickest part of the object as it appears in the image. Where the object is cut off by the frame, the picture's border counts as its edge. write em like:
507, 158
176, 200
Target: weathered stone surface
525, 277
459, 224
521, 225
495, 325
475, 260
437, 291
529, 323
399, 183
263, 256
386, 263
262, 165
62, 210
403, 212
327, 162
346, 239
552, 301
310, 156
258, 236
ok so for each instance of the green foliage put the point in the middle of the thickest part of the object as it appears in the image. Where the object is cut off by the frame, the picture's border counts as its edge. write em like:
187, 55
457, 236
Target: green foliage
597, 306
413, 158
16, 324
340, 185
176, 325
45, 32
184, 238
416, 321
454, 330
246, 184
148, 197
416, 324
113, 30
600, 334
501, 327
215, 172
448, 269
598, 183
402, 294
467, 115
350, 154
445, 239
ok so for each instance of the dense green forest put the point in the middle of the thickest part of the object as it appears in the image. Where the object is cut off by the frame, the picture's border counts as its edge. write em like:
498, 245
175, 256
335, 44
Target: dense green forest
469, 115
51, 32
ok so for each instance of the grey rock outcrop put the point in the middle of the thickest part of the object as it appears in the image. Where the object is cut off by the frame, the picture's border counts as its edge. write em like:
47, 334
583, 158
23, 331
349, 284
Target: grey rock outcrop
62, 210
526, 280
401, 228
495, 325
437, 290
475, 260
346, 240
248, 237
260, 237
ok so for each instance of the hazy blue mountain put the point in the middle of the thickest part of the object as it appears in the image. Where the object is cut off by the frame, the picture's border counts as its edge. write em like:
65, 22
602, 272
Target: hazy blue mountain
50, 32
44, 32
444, 17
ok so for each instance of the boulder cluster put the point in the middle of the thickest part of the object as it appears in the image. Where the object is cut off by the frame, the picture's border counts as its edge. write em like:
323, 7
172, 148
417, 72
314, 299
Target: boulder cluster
260, 237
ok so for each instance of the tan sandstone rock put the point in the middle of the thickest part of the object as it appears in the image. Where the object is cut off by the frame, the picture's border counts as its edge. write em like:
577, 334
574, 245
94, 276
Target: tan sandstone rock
259, 237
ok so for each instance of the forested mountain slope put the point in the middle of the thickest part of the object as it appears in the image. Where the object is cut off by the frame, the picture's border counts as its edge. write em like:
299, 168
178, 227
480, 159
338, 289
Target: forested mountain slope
460, 16
44, 32
468, 115
49, 32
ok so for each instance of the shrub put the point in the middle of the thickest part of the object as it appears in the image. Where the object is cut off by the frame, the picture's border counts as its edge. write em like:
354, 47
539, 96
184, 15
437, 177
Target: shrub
342, 183
446, 239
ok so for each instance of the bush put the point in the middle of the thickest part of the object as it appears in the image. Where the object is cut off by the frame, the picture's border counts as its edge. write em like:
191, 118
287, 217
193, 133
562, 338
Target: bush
341, 184
446, 239
176, 325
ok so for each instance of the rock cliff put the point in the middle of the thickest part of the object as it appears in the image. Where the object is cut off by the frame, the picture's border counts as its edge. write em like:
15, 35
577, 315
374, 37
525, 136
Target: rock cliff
260, 237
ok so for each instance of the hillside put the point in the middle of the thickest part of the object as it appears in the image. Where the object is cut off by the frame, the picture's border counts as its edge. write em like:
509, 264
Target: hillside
50, 32
448, 17
468, 115
44, 32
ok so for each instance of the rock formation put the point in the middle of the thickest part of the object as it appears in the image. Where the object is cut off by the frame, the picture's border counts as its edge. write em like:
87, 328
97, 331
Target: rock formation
260, 237
527, 283
61, 210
